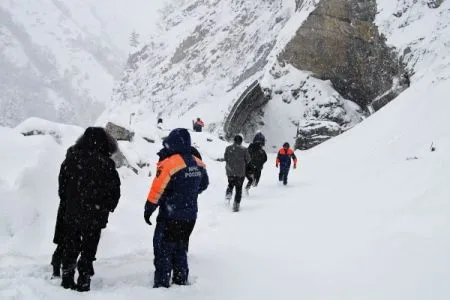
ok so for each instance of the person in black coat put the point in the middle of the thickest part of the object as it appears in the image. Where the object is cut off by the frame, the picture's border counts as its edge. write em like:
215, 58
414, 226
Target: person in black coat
89, 189
258, 159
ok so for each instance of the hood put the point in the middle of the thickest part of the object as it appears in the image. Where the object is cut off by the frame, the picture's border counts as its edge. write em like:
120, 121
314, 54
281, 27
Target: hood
178, 141
95, 140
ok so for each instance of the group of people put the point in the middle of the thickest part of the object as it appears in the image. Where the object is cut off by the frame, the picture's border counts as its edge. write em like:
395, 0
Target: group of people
89, 190
248, 163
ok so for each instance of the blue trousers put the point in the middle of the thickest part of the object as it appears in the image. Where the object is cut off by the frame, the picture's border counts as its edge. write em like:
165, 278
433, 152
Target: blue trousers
170, 246
284, 172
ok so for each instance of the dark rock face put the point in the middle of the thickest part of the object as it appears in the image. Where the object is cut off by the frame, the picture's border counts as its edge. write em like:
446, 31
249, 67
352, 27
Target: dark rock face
243, 117
118, 132
314, 133
434, 3
339, 42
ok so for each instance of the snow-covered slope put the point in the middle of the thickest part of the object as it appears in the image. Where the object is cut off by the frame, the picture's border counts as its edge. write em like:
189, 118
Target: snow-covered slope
204, 57
59, 58
365, 216
421, 32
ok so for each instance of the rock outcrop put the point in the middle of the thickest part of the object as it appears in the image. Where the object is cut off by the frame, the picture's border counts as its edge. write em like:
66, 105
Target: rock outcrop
314, 133
340, 42
118, 132
434, 3
243, 117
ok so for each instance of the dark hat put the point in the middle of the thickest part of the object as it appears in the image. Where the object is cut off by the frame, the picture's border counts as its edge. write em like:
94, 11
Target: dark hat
238, 139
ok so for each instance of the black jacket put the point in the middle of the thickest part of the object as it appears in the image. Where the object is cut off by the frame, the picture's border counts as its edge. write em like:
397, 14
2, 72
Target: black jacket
89, 185
258, 156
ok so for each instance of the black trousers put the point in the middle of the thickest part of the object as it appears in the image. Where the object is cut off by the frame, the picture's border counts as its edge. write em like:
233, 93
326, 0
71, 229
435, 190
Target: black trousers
57, 256
235, 182
81, 242
170, 245
253, 177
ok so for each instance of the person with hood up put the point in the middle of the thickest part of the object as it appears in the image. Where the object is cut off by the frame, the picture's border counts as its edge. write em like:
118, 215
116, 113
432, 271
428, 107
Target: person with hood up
258, 158
180, 178
89, 189
284, 157
236, 158
259, 138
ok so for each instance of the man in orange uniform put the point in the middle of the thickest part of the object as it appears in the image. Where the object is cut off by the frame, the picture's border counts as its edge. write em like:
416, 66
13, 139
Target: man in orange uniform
179, 179
284, 157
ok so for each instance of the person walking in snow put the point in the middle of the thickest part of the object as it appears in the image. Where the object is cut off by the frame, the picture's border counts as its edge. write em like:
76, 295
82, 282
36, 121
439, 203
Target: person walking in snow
236, 158
198, 125
89, 189
180, 178
283, 161
258, 158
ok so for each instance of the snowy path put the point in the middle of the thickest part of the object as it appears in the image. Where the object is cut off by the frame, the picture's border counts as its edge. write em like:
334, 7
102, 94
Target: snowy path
359, 220
314, 239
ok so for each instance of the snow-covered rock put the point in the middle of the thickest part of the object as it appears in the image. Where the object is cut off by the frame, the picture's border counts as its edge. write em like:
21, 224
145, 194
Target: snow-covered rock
63, 134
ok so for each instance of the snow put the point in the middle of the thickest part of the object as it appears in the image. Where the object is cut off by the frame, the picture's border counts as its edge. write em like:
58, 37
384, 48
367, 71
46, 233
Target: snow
358, 220
365, 215
62, 57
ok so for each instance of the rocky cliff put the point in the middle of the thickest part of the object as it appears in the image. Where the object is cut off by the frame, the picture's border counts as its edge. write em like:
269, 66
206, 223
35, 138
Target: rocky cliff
340, 42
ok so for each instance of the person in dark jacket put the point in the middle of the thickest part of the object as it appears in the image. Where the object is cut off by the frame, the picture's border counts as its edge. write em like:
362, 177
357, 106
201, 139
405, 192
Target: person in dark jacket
89, 189
180, 178
236, 158
258, 158
284, 157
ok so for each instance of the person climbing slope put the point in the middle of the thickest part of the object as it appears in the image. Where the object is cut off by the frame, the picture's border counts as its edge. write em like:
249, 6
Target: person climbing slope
285, 154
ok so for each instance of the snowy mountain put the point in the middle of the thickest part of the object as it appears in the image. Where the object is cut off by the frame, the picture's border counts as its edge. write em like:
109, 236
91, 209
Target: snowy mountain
59, 58
206, 54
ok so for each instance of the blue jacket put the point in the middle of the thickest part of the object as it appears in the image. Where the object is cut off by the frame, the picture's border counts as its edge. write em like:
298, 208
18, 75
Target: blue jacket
179, 179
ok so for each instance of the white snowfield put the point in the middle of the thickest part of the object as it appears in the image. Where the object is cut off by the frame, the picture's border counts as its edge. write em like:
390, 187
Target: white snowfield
365, 216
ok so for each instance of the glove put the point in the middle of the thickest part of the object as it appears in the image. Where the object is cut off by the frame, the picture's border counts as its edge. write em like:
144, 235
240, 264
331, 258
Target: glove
148, 211
295, 166
276, 165
147, 218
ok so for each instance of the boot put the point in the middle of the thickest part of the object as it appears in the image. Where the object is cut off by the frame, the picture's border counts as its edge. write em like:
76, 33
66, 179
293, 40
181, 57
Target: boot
235, 207
56, 271
67, 279
84, 282
227, 199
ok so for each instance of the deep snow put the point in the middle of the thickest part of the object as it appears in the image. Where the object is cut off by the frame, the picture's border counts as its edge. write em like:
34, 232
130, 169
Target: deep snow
358, 220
